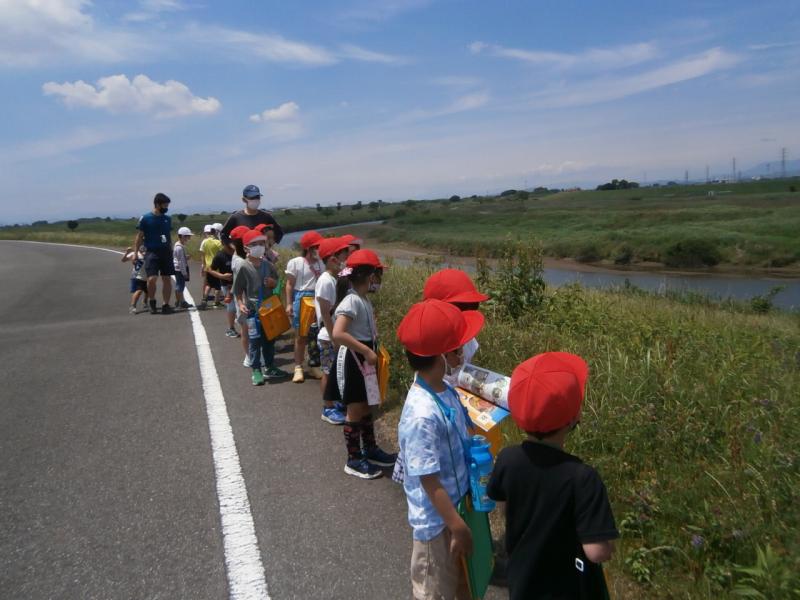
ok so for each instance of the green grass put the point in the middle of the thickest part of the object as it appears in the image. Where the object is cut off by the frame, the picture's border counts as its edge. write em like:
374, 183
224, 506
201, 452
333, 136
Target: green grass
755, 225
692, 417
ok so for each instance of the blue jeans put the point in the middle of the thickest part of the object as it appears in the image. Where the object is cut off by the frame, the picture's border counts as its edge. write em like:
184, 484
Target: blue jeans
260, 346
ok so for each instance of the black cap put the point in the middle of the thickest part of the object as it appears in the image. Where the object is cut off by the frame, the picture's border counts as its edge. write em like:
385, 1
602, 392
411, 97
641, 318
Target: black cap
161, 199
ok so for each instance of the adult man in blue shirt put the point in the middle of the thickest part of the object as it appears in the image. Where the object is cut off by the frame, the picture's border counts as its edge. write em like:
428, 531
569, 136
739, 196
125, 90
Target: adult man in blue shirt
154, 231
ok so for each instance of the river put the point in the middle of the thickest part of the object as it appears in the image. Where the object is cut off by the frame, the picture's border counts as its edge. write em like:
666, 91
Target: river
716, 286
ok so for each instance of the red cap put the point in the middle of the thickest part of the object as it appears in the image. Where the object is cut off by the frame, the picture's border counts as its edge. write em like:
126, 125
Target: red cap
435, 327
253, 236
364, 257
330, 246
351, 239
261, 227
310, 239
452, 285
238, 232
547, 390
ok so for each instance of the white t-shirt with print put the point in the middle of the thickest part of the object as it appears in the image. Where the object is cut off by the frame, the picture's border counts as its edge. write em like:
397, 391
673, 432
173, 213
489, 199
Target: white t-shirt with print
305, 274
325, 289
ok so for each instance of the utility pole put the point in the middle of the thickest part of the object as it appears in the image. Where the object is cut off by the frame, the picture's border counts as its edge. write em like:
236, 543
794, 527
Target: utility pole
769, 166
707, 179
686, 177
783, 162
733, 173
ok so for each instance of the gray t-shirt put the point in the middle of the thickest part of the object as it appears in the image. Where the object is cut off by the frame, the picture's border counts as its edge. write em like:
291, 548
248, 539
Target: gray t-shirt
247, 280
359, 309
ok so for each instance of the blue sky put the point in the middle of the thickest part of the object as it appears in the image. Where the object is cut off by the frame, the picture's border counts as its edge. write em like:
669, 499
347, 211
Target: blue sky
105, 103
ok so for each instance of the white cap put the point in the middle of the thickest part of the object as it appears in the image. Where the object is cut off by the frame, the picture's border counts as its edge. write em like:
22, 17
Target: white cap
185, 231
217, 226
207, 228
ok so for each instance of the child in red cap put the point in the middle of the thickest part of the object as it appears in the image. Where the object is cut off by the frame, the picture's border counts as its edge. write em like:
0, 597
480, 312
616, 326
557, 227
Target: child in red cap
302, 273
455, 287
353, 378
433, 435
559, 524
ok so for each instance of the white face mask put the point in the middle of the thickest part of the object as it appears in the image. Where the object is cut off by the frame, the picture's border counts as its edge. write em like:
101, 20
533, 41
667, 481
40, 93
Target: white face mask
257, 251
374, 288
254, 203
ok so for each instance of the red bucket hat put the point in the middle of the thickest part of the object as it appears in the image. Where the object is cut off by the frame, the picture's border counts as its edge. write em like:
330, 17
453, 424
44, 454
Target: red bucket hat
330, 246
262, 226
546, 391
238, 232
351, 239
452, 285
434, 327
310, 239
364, 257
253, 236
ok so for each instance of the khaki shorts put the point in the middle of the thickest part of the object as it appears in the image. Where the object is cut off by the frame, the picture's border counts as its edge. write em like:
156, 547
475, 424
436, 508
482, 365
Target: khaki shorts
435, 575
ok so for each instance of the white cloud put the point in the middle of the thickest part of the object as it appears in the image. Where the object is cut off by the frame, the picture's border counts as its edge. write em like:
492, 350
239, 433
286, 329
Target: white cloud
599, 58
285, 112
36, 32
118, 94
457, 81
375, 11
239, 44
461, 104
151, 9
603, 90
364, 55
773, 46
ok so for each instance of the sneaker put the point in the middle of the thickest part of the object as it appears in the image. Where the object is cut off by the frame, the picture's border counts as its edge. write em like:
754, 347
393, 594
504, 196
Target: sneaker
376, 456
246, 362
257, 377
340, 407
132, 310
203, 305
298, 375
218, 304
166, 309
232, 333
332, 416
273, 372
185, 305
361, 468
315, 372
153, 309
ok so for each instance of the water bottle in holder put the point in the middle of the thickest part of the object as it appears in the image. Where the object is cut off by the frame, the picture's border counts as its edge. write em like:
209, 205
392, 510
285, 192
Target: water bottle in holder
252, 326
480, 469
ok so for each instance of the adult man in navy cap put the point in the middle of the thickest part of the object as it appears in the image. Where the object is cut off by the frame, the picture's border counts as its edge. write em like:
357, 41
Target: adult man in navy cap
250, 216
154, 230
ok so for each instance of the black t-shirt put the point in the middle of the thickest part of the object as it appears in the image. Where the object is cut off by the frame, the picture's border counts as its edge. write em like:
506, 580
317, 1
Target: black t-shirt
555, 503
221, 263
240, 217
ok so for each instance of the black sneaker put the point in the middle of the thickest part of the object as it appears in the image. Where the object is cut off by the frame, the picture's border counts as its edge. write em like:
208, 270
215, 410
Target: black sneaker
376, 456
166, 309
153, 309
185, 305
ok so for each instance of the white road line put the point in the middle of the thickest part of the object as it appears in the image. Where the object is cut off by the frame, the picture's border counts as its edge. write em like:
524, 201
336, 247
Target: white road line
243, 565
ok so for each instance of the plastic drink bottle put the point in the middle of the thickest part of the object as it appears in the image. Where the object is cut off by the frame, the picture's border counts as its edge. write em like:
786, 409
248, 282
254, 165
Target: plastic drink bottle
252, 327
480, 469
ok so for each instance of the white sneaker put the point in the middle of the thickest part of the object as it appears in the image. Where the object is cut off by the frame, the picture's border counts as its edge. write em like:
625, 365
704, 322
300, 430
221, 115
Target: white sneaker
246, 362
315, 372
298, 375
133, 310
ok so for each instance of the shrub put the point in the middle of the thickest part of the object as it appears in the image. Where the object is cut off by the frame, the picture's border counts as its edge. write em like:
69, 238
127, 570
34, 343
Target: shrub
455, 198
400, 212
73, 225
517, 285
508, 193
624, 256
692, 253
588, 253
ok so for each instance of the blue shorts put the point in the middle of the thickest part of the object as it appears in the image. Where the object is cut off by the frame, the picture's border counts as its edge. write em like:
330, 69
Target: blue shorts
180, 282
138, 285
296, 299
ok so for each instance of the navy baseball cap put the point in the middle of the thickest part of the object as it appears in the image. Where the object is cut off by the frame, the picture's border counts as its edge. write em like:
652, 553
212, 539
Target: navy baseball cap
251, 191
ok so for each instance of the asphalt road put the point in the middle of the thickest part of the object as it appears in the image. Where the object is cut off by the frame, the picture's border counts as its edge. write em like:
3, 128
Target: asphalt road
107, 486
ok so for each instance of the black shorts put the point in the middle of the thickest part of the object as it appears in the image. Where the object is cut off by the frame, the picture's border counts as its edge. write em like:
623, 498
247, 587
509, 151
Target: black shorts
158, 261
354, 389
138, 285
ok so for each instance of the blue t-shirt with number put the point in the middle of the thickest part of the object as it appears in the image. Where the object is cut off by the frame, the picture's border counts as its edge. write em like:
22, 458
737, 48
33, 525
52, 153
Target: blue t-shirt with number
156, 230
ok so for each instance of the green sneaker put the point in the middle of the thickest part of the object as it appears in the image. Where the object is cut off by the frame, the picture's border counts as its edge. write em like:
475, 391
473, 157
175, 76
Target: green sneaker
275, 373
257, 377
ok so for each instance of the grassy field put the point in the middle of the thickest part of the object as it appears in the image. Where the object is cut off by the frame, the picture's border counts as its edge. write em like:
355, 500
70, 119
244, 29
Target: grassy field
744, 225
120, 233
692, 418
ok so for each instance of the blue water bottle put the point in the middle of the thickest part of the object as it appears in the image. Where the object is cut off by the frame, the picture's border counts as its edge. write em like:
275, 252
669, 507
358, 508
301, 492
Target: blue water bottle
252, 327
480, 469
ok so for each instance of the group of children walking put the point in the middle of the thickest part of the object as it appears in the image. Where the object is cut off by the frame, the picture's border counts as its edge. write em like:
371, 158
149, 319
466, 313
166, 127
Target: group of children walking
559, 524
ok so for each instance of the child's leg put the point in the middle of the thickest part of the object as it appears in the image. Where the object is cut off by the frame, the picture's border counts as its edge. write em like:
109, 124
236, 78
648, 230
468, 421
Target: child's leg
299, 349
254, 350
267, 350
135, 297
368, 431
434, 571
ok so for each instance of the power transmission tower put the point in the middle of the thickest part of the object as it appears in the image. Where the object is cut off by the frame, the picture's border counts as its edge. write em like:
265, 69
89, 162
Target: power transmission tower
686, 177
733, 174
783, 162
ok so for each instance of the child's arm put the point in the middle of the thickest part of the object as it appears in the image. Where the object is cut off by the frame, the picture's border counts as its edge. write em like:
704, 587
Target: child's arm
325, 311
220, 276
599, 552
461, 542
290, 280
342, 337
127, 256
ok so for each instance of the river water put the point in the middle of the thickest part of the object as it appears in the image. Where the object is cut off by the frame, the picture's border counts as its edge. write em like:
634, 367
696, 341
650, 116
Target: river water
716, 286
